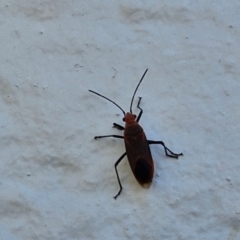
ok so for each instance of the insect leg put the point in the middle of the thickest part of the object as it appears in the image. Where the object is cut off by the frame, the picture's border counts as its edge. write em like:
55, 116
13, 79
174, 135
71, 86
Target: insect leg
141, 111
116, 163
119, 127
115, 136
173, 155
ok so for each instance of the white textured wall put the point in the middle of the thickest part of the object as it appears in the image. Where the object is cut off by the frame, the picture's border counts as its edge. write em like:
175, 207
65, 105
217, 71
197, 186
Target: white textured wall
56, 182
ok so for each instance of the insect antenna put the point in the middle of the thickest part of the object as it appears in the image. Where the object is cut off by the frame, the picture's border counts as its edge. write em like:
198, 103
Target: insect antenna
137, 89
108, 100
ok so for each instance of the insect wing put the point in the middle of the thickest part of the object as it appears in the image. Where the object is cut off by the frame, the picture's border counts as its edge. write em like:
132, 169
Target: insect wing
140, 158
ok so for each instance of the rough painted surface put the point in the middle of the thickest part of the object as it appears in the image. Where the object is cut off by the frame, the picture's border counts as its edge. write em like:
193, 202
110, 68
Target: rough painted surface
56, 182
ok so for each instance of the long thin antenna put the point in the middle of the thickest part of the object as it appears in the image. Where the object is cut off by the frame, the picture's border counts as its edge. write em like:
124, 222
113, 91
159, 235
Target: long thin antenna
108, 100
137, 89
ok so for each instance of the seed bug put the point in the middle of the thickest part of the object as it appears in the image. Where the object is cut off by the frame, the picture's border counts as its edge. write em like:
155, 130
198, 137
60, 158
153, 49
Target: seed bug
136, 144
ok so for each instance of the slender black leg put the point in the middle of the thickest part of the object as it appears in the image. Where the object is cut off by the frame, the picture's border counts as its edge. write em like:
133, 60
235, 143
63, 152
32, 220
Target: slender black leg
173, 155
116, 163
119, 127
141, 111
115, 136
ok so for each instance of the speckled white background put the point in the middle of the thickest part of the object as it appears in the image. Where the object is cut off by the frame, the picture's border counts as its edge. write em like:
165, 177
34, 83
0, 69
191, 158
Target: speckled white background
56, 182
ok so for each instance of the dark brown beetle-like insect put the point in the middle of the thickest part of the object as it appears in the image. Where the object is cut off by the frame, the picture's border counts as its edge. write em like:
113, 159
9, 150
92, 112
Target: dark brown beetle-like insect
137, 145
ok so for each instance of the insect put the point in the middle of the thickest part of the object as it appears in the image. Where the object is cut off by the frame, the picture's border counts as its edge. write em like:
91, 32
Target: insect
136, 144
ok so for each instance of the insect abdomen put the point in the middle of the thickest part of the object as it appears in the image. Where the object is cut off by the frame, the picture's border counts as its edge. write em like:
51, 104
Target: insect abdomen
143, 172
